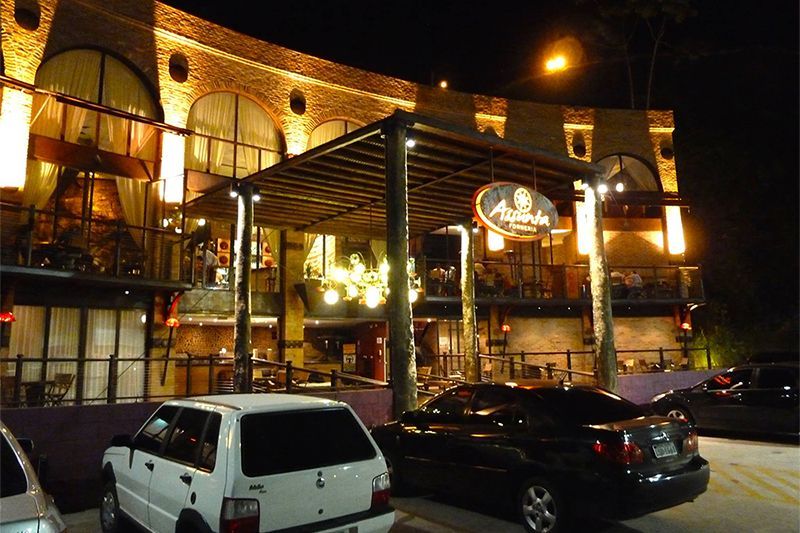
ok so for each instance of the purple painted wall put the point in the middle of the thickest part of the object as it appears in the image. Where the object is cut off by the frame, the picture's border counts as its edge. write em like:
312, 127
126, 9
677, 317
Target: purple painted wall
639, 388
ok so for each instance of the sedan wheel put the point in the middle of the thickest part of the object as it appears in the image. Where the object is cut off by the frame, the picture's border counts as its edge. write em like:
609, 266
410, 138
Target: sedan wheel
679, 412
541, 507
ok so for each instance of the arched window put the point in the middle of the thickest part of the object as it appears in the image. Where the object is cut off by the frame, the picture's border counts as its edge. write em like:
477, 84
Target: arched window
327, 131
633, 173
95, 77
233, 136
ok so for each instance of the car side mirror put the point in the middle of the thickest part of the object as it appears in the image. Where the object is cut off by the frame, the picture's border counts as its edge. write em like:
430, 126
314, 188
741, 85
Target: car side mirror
125, 441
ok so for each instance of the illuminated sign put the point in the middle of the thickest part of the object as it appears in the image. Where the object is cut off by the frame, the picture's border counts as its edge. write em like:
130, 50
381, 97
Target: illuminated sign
514, 211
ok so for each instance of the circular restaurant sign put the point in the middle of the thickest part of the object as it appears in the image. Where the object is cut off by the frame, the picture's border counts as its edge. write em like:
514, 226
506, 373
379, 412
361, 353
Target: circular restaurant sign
514, 211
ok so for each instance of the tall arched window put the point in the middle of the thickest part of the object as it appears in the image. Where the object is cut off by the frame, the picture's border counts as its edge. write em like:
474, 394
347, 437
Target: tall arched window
96, 77
233, 136
633, 173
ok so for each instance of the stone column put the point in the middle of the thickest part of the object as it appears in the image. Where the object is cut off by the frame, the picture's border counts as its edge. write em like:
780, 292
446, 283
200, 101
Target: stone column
401, 332
290, 343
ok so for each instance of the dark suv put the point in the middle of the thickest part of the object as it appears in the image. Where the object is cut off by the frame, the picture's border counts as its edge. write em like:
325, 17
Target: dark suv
751, 398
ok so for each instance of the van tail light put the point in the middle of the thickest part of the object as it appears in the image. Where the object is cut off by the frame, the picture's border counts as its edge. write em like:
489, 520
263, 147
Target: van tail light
380, 491
691, 443
622, 452
239, 516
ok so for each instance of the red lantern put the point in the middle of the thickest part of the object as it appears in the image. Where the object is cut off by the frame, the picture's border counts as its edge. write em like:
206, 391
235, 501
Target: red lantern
505, 328
7, 316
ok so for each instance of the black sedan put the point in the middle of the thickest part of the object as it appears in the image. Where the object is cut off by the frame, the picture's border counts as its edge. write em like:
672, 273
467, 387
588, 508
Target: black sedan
759, 398
553, 452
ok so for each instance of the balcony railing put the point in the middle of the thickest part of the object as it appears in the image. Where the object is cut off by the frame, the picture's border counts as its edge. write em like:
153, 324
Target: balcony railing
515, 280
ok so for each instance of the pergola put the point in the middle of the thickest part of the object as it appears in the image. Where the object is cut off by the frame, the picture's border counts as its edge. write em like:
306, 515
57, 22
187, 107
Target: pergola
403, 176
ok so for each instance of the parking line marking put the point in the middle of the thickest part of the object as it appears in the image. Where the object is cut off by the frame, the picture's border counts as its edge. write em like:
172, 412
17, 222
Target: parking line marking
738, 484
788, 498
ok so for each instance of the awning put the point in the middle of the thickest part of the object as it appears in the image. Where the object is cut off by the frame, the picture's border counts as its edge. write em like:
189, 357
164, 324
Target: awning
339, 188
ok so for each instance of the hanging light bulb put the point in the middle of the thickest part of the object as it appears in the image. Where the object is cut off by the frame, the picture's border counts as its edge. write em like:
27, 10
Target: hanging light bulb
494, 241
352, 291
413, 295
372, 297
331, 296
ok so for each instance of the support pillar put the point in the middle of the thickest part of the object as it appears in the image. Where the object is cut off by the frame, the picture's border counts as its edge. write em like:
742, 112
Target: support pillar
605, 352
401, 331
472, 371
241, 329
293, 256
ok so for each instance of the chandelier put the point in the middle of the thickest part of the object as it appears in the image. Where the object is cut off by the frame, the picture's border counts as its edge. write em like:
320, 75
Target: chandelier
352, 279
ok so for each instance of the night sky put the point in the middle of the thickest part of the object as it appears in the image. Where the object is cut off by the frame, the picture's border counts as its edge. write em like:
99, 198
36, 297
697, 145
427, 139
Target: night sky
729, 71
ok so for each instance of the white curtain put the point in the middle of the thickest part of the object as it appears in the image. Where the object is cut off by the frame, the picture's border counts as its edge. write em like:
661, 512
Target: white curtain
123, 90
100, 336
256, 128
330, 130
130, 374
211, 116
132, 195
27, 338
40, 183
63, 343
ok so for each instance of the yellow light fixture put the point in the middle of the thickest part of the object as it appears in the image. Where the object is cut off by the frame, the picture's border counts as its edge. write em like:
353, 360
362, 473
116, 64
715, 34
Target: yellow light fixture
15, 114
367, 285
675, 239
494, 241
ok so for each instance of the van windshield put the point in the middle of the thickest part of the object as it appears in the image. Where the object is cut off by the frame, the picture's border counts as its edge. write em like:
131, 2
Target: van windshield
275, 443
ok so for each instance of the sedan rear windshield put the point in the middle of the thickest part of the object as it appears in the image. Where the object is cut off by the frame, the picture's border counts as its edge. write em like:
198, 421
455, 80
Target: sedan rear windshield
589, 406
275, 443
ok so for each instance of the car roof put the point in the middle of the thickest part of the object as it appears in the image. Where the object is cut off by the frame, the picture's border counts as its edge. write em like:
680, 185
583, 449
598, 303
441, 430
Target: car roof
259, 401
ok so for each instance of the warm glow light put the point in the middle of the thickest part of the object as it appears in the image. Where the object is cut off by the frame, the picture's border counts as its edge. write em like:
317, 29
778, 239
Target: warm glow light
201, 222
675, 241
620, 186
7, 316
506, 328
443, 84
584, 228
556, 64
172, 322
372, 296
413, 295
602, 188
411, 143
15, 115
172, 155
494, 241
331, 296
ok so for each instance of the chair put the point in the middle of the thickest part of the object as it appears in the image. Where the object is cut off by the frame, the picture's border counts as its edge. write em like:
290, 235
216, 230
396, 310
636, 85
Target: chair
7, 391
54, 394
486, 371
423, 375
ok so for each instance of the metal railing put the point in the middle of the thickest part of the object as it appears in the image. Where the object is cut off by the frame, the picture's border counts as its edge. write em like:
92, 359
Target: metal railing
516, 280
26, 380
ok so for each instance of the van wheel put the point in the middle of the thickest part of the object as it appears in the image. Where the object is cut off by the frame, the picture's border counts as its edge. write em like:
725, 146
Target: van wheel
110, 517
541, 507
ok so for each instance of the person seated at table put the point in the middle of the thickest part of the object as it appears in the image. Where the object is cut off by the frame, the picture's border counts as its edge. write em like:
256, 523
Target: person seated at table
618, 289
633, 284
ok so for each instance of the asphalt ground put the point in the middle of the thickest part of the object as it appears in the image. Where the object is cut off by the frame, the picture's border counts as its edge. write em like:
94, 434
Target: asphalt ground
755, 487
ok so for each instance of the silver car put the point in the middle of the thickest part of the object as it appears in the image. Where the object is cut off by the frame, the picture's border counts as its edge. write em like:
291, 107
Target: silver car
24, 506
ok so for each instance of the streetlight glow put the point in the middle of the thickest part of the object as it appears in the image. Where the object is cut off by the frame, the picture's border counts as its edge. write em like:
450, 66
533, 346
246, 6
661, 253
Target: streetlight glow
556, 64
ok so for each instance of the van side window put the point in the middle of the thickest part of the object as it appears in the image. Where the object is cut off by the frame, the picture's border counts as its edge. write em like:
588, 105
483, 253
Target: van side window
184, 441
154, 432
208, 450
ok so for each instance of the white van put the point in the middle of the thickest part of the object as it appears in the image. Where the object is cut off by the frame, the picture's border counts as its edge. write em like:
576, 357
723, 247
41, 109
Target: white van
247, 463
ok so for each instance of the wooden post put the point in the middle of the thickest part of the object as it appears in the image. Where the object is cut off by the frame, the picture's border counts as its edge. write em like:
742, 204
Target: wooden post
401, 333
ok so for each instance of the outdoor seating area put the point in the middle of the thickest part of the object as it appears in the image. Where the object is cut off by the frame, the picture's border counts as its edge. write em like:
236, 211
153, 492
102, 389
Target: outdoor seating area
38, 393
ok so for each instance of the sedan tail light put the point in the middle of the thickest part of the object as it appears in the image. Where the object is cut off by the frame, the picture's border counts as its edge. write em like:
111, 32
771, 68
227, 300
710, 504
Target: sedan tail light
622, 452
380, 491
239, 516
690, 443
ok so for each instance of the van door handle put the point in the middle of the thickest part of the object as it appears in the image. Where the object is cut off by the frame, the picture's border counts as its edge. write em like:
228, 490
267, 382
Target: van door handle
149, 465
186, 478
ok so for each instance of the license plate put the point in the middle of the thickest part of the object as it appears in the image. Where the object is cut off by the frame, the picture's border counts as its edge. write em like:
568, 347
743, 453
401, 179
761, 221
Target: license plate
664, 449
